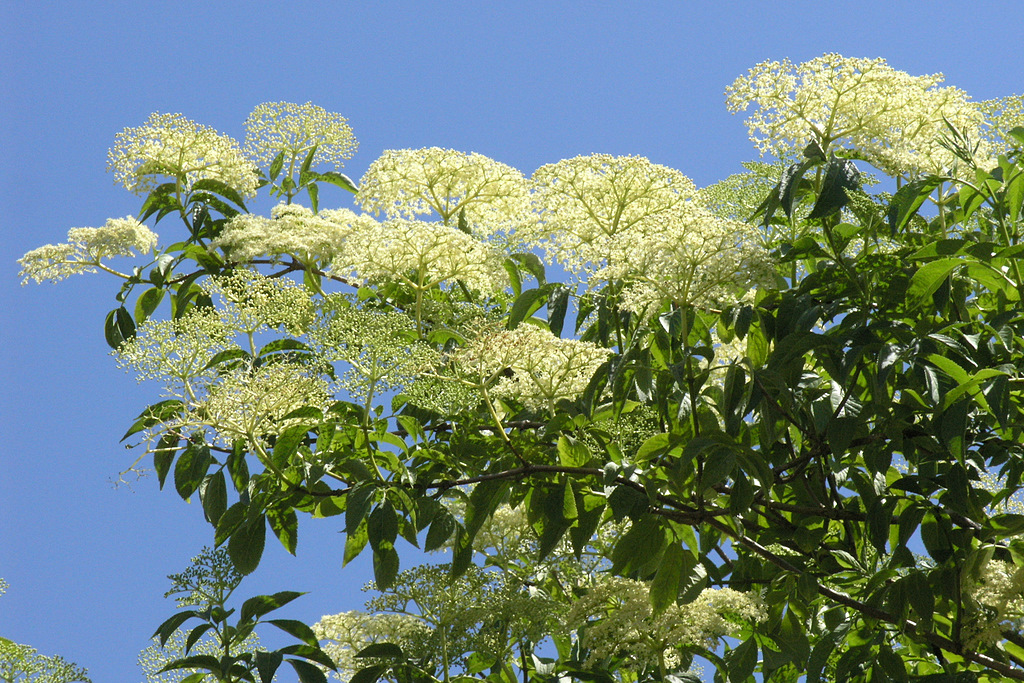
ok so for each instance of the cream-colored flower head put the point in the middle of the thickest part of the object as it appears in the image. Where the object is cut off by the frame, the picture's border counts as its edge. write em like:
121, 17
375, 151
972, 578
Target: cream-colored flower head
997, 602
252, 302
589, 203
1002, 115
893, 120
622, 621
545, 368
382, 349
688, 256
412, 182
292, 230
177, 351
85, 248
423, 255
275, 127
251, 403
348, 633
169, 146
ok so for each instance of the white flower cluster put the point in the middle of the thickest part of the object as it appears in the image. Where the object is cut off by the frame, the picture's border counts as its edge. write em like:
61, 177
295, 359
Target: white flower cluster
619, 620
688, 256
382, 350
544, 368
349, 632
250, 403
177, 351
999, 602
291, 229
85, 248
895, 121
171, 146
423, 255
1002, 115
411, 182
275, 127
252, 302
589, 204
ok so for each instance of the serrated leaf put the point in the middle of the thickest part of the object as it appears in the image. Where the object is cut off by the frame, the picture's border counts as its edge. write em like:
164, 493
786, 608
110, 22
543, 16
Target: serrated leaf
385, 566
166, 629
260, 605
841, 176
191, 468
213, 493
245, 547
307, 672
440, 530
381, 651
339, 180
118, 327
285, 525
907, 200
297, 629
665, 586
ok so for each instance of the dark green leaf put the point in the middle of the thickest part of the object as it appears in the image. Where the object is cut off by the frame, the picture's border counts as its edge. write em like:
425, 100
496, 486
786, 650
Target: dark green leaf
382, 526
166, 629
441, 529
742, 660
841, 176
230, 354
307, 673
907, 200
381, 651
558, 304
339, 180
221, 188
229, 522
358, 504
246, 544
163, 456
154, 415
276, 165
297, 629
118, 327
260, 605
213, 493
370, 674
285, 525
385, 566
525, 305
147, 303
191, 468
267, 662
665, 587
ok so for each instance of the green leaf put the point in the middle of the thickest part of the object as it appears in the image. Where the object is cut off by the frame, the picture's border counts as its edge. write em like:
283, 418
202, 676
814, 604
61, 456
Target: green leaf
558, 304
229, 522
191, 468
533, 265
370, 674
841, 176
147, 303
742, 660
928, 278
381, 651
223, 356
385, 566
382, 526
907, 200
297, 629
441, 529
154, 415
314, 197
358, 504
213, 493
166, 629
307, 673
163, 456
572, 453
238, 468
355, 541
338, 180
665, 587
118, 327
285, 525
221, 188
260, 605
282, 345
267, 662
246, 544
526, 304
276, 165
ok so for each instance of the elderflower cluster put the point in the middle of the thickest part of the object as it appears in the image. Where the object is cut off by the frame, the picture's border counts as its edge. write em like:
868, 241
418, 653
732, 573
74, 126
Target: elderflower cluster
292, 229
544, 368
85, 249
383, 350
999, 602
252, 402
422, 255
1002, 115
589, 204
177, 351
171, 146
349, 632
615, 617
276, 127
895, 121
492, 196
688, 256
253, 302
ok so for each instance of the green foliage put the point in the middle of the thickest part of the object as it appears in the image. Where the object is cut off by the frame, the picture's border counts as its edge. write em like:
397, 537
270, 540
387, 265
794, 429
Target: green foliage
807, 438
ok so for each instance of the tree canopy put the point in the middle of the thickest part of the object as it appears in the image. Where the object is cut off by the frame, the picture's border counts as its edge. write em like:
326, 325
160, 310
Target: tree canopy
774, 423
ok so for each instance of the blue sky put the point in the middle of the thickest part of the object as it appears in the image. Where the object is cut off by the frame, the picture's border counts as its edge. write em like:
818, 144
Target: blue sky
526, 83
